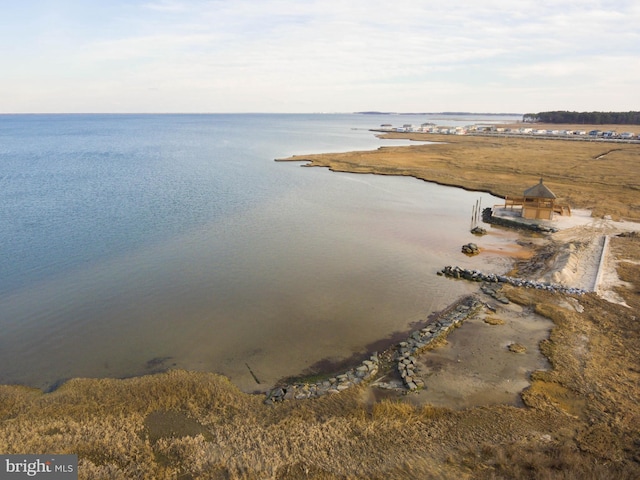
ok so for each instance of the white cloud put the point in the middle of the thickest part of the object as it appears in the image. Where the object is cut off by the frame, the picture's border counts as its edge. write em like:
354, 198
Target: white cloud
166, 6
267, 55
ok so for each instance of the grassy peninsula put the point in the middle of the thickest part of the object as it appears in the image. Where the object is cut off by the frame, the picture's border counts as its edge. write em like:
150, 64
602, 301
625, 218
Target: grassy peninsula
602, 177
579, 418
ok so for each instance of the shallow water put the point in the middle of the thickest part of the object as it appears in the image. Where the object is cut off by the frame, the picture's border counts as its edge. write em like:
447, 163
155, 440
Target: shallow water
134, 244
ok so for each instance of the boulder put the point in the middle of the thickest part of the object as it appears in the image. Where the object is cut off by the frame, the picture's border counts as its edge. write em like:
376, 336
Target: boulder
470, 249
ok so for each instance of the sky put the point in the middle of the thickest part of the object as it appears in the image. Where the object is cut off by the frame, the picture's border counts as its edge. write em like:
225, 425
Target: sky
299, 56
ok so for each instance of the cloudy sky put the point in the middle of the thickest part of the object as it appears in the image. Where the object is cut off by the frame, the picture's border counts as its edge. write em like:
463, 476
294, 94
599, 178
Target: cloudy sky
319, 55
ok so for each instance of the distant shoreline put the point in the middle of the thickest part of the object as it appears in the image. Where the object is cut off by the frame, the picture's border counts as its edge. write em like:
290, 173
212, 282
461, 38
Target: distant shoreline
486, 114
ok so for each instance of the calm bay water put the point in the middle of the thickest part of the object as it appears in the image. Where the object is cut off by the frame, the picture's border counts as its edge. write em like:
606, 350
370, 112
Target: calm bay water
134, 243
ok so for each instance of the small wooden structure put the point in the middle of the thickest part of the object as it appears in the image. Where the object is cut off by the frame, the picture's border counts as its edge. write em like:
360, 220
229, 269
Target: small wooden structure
538, 203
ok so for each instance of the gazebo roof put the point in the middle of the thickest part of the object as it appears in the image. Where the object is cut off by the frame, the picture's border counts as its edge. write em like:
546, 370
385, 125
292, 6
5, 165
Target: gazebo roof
539, 191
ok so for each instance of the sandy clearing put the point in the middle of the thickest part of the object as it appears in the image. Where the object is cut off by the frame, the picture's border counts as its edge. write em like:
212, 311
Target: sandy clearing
475, 366
589, 264
582, 261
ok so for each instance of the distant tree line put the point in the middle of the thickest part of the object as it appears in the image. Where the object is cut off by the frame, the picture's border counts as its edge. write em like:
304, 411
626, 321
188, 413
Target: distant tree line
593, 118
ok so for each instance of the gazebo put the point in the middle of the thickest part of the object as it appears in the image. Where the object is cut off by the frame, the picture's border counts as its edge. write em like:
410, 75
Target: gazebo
538, 202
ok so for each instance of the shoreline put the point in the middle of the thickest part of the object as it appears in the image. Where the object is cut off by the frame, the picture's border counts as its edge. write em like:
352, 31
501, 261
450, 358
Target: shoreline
581, 173
577, 414
398, 358
307, 162
328, 366
343, 163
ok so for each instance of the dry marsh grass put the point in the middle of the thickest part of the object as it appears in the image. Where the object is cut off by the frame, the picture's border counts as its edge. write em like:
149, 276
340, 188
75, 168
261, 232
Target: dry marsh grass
580, 420
194, 425
598, 176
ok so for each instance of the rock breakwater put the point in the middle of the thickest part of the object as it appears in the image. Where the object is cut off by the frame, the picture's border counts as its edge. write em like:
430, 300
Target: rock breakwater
399, 359
424, 339
303, 390
477, 276
489, 217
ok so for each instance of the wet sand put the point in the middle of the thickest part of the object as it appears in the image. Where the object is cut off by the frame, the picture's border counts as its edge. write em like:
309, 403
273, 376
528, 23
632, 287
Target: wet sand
475, 367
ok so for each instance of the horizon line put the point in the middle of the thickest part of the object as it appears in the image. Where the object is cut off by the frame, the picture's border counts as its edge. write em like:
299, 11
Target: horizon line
264, 113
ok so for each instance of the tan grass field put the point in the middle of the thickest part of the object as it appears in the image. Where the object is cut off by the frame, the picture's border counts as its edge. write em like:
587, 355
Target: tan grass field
599, 176
580, 419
